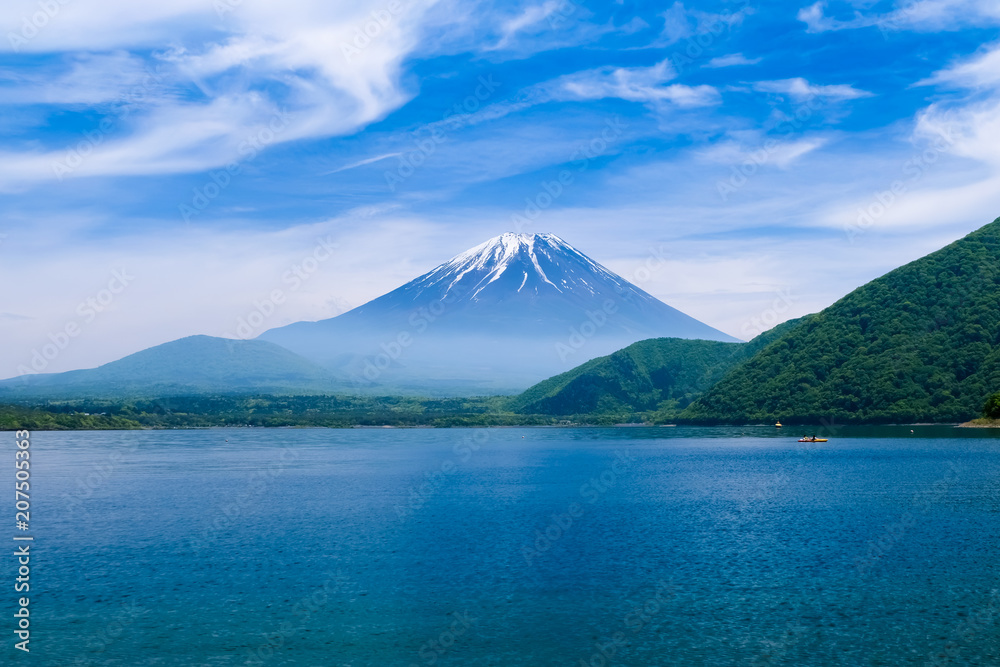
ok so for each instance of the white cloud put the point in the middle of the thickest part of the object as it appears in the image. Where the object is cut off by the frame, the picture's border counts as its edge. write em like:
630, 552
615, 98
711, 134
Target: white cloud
647, 85
800, 89
982, 71
761, 151
971, 131
531, 28
171, 138
82, 80
732, 60
636, 84
970, 126
814, 16
917, 15
361, 163
309, 60
948, 176
100, 25
784, 154
682, 23
935, 15
556, 11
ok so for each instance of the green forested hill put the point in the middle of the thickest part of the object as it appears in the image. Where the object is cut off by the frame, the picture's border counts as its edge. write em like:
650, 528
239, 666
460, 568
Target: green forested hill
663, 374
637, 378
921, 343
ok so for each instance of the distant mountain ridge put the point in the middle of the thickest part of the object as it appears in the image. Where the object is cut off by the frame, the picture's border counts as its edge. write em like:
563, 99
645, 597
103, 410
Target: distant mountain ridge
196, 364
500, 316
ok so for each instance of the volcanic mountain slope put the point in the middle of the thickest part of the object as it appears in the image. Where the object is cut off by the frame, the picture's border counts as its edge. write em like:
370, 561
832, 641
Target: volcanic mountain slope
921, 343
500, 316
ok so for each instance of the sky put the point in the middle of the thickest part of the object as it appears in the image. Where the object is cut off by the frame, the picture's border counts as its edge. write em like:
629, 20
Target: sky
170, 169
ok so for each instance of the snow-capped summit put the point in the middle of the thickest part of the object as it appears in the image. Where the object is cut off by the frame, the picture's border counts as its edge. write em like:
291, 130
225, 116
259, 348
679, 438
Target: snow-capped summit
537, 263
502, 315
521, 274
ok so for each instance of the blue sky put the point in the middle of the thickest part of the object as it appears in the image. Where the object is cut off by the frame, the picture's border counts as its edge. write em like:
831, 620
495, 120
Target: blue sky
778, 154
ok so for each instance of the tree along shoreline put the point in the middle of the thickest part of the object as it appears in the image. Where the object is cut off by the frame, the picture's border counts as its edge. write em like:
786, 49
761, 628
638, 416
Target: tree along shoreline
358, 412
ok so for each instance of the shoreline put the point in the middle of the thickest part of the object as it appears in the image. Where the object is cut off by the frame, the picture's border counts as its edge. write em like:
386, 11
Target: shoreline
768, 428
980, 423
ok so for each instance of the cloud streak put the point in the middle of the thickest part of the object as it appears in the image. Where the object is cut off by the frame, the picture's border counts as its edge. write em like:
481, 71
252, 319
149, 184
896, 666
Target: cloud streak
732, 60
800, 89
915, 15
979, 72
648, 85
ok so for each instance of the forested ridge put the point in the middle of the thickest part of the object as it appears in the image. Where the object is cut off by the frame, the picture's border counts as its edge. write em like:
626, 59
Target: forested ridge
921, 343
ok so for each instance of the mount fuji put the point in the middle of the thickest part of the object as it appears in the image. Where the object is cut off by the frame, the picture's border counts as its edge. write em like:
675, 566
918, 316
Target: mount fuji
498, 317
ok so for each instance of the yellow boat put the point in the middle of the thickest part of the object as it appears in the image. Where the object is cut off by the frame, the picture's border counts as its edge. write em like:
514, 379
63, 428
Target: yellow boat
778, 425
814, 439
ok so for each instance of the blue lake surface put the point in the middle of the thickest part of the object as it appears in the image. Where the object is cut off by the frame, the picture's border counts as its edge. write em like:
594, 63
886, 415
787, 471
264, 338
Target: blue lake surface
620, 546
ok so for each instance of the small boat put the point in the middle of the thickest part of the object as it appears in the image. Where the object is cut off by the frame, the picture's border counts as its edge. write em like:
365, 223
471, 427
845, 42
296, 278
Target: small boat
778, 425
814, 439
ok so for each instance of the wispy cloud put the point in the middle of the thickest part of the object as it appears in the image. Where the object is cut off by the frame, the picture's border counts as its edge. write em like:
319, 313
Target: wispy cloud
971, 122
982, 71
816, 20
918, 15
556, 11
636, 84
799, 88
951, 169
500, 34
781, 154
80, 79
681, 23
732, 60
361, 163
933, 15
647, 85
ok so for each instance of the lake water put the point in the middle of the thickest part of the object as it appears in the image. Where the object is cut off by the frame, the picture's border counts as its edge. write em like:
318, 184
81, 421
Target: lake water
627, 546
